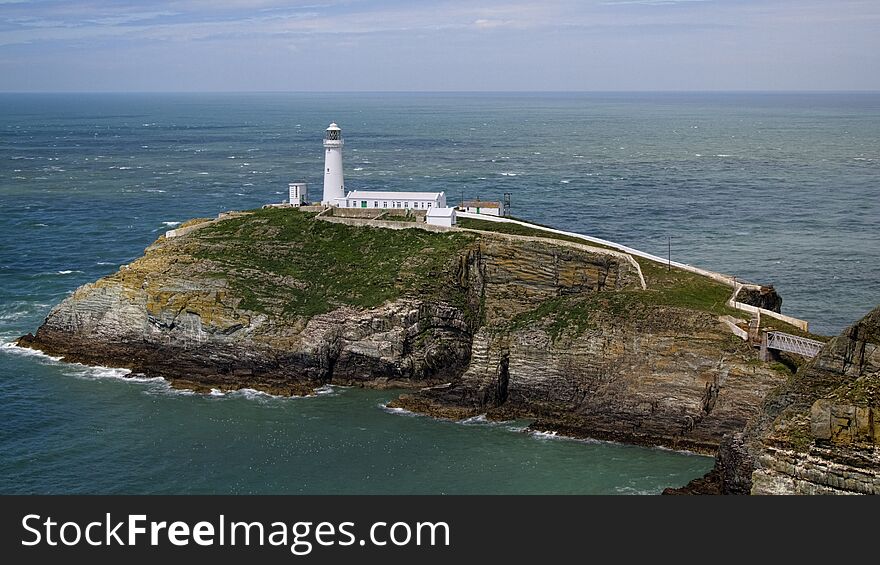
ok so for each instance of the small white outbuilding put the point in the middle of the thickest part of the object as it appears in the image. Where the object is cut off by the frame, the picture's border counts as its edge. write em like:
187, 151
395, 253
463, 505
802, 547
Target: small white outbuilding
445, 217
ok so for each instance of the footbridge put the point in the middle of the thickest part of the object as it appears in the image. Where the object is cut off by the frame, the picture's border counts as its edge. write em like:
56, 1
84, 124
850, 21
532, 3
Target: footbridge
781, 341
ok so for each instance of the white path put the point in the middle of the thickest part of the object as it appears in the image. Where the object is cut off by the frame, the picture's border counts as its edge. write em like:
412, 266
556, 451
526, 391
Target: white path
724, 279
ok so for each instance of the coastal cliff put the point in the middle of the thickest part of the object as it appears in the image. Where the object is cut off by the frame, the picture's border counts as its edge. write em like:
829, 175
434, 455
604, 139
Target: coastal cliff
818, 433
581, 339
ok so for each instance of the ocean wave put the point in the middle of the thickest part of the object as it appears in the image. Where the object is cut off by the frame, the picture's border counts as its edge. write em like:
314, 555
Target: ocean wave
15, 349
100, 373
327, 390
66, 272
248, 393
634, 491
397, 411
171, 224
543, 435
479, 419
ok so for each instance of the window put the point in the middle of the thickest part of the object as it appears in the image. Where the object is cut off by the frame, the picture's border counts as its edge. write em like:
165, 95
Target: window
375, 204
384, 204
406, 204
328, 169
429, 204
363, 203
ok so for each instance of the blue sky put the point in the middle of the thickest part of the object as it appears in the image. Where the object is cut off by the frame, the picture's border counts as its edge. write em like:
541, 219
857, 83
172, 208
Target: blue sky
326, 45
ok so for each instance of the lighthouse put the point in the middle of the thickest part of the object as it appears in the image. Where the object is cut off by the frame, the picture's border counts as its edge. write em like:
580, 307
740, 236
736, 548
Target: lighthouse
334, 185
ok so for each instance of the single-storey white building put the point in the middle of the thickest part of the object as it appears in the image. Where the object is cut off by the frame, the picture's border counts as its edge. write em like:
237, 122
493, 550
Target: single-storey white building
441, 217
392, 200
482, 207
299, 194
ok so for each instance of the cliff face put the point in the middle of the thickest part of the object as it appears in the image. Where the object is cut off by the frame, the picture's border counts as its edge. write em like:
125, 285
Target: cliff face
511, 326
181, 314
661, 376
820, 432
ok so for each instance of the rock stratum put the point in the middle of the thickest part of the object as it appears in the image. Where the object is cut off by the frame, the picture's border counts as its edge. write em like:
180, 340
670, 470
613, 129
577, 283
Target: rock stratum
583, 340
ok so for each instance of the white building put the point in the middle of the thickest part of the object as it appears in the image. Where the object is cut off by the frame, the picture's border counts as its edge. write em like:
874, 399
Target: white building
438, 216
392, 200
432, 203
299, 194
334, 184
482, 207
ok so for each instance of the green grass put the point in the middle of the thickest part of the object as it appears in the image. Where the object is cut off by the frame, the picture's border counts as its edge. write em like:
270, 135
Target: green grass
516, 229
666, 287
283, 261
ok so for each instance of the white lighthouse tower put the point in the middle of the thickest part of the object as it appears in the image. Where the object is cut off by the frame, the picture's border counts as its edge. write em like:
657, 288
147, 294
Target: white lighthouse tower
334, 185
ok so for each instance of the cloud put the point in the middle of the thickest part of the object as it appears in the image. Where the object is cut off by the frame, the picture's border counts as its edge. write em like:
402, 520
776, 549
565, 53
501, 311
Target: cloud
483, 23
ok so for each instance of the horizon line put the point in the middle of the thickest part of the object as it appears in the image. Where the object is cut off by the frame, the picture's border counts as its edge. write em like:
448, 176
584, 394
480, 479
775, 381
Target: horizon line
598, 91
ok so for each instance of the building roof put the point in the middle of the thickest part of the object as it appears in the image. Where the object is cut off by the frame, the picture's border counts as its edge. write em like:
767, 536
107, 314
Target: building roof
437, 212
481, 204
375, 195
333, 126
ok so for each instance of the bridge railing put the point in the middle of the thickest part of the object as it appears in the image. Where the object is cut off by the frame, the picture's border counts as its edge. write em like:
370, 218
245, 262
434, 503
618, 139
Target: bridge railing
782, 341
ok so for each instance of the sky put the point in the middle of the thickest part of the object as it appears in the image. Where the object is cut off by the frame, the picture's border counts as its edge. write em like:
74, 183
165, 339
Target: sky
446, 45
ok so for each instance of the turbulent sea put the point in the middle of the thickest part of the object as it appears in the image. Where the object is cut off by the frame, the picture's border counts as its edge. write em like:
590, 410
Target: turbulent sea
779, 189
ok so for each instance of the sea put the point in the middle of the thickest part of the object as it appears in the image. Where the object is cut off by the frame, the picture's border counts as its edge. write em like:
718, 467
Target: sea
774, 188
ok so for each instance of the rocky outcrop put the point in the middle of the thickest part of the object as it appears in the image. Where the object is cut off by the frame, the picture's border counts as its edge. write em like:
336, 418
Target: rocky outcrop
555, 331
764, 297
170, 314
665, 376
820, 433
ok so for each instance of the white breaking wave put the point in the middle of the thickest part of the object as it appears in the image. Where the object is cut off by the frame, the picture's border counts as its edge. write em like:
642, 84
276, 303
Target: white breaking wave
326, 390
12, 348
398, 411
549, 435
79, 370
478, 419
171, 224
66, 272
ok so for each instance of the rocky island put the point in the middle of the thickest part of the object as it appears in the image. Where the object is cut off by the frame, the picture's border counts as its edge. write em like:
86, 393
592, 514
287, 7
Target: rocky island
489, 319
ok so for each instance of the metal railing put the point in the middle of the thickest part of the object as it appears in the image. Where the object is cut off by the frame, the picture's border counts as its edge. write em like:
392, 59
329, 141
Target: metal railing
793, 344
